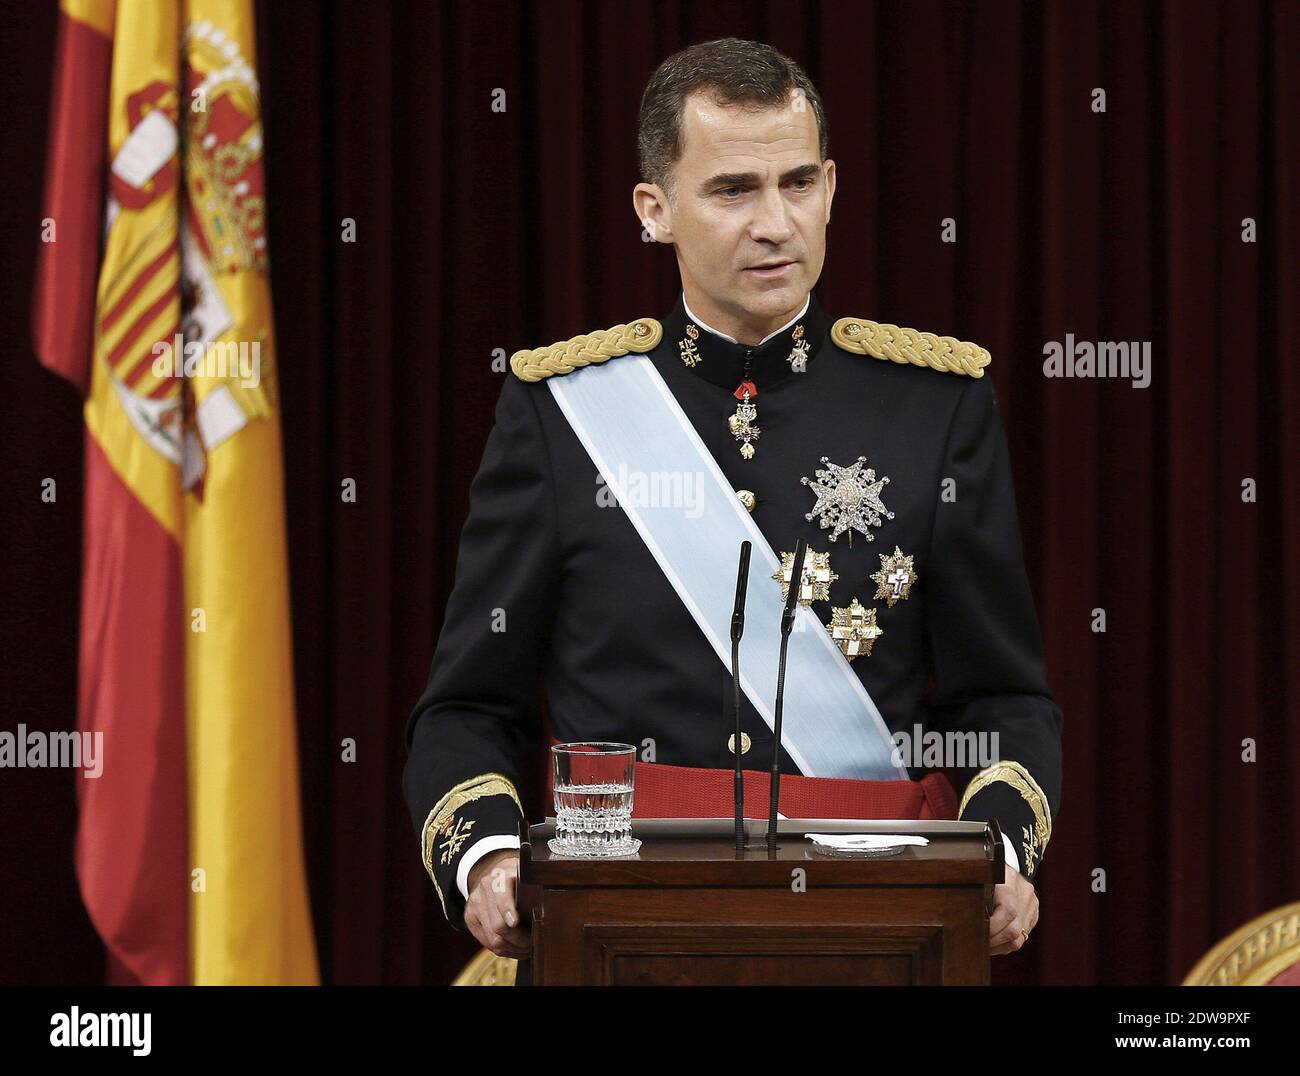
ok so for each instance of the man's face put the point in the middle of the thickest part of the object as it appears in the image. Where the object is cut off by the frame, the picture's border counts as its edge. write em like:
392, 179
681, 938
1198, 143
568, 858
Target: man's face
750, 191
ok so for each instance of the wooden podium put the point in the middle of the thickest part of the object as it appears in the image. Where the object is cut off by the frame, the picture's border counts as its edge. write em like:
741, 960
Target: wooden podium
691, 910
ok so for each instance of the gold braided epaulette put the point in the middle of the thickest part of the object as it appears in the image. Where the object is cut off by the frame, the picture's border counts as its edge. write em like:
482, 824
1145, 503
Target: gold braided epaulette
566, 356
944, 353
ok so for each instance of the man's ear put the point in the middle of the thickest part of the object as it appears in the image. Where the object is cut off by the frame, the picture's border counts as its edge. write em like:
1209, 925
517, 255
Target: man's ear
654, 212
830, 187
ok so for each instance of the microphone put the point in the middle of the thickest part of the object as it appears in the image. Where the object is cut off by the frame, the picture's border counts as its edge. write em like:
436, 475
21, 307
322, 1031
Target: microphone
787, 623
737, 630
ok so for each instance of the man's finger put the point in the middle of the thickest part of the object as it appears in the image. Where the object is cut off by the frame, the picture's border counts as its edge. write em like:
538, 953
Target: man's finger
504, 947
494, 907
1033, 916
1009, 937
511, 929
492, 914
1003, 914
489, 929
503, 908
519, 952
510, 941
501, 892
519, 938
475, 926
1009, 933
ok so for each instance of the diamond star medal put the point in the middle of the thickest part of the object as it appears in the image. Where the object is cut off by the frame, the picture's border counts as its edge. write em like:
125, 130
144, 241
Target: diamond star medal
815, 586
854, 629
895, 578
848, 499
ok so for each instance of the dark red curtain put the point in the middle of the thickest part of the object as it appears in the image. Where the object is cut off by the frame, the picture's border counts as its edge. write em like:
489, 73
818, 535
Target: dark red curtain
417, 234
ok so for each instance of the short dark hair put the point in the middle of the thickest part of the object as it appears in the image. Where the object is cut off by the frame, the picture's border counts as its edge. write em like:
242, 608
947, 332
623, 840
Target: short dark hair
735, 72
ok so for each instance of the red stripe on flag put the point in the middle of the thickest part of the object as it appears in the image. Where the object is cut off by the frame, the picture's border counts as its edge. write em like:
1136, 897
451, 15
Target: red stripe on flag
137, 286
63, 310
134, 333
132, 838
167, 383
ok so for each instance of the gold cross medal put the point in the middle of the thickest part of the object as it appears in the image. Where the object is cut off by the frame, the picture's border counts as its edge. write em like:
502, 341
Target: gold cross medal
741, 423
854, 629
815, 586
895, 578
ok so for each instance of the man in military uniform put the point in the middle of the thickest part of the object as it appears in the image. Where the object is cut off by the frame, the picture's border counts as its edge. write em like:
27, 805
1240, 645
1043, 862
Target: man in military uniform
882, 447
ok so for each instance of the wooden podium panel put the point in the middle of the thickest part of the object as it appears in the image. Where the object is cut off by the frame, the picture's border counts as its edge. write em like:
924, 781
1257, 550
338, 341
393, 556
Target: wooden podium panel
694, 911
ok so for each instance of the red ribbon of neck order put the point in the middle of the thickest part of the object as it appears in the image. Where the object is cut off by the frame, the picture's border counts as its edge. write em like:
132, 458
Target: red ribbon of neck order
743, 387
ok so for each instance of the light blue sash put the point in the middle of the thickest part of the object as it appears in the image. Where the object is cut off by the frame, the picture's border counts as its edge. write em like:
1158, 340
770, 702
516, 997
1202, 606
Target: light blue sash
691, 520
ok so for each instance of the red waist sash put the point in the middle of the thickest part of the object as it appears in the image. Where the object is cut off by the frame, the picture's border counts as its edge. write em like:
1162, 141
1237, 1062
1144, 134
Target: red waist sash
687, 792
691, 792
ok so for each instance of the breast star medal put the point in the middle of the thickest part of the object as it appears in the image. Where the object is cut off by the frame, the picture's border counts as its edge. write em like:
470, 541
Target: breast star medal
798, 357
848, 499
895, 578
687, 346
854, 629
817, 577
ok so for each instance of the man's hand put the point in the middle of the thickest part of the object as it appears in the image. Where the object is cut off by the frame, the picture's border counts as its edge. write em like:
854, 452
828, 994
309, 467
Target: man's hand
490, 912
1015, 909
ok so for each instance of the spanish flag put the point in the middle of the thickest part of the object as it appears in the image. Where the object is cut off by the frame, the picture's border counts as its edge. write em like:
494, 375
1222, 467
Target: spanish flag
153, 299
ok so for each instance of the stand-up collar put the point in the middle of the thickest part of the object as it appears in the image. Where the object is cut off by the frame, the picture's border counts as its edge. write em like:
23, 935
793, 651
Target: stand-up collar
722, 360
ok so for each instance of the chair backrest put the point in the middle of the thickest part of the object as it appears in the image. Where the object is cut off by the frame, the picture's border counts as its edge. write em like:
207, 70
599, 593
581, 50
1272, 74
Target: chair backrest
1264, 952
487, 969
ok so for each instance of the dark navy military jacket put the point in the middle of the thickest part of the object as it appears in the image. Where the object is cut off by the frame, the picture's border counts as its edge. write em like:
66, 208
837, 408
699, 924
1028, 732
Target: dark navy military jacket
554, 585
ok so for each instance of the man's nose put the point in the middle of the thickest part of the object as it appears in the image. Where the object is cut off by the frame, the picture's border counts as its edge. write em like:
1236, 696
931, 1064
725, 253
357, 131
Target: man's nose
771, 221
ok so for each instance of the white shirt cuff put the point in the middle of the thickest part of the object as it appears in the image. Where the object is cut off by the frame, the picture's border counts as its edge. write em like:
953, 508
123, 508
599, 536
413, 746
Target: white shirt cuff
1012, 858
477, 851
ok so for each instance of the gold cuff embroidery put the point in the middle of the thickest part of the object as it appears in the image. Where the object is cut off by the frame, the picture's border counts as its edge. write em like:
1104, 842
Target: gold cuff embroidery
1019, 778
442, 823
453, 837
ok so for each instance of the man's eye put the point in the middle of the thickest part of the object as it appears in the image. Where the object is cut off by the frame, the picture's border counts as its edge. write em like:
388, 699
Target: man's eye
725, 190
806, 181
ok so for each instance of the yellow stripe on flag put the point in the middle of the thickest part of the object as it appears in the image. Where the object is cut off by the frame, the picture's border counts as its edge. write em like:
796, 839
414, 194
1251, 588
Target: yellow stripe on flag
252, 922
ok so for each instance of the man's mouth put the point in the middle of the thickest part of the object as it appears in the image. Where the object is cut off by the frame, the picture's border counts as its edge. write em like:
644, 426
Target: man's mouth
771, 269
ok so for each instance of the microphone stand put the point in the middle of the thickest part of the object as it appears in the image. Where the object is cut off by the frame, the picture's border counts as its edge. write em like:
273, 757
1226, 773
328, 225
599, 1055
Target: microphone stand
787, 623
737, 630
